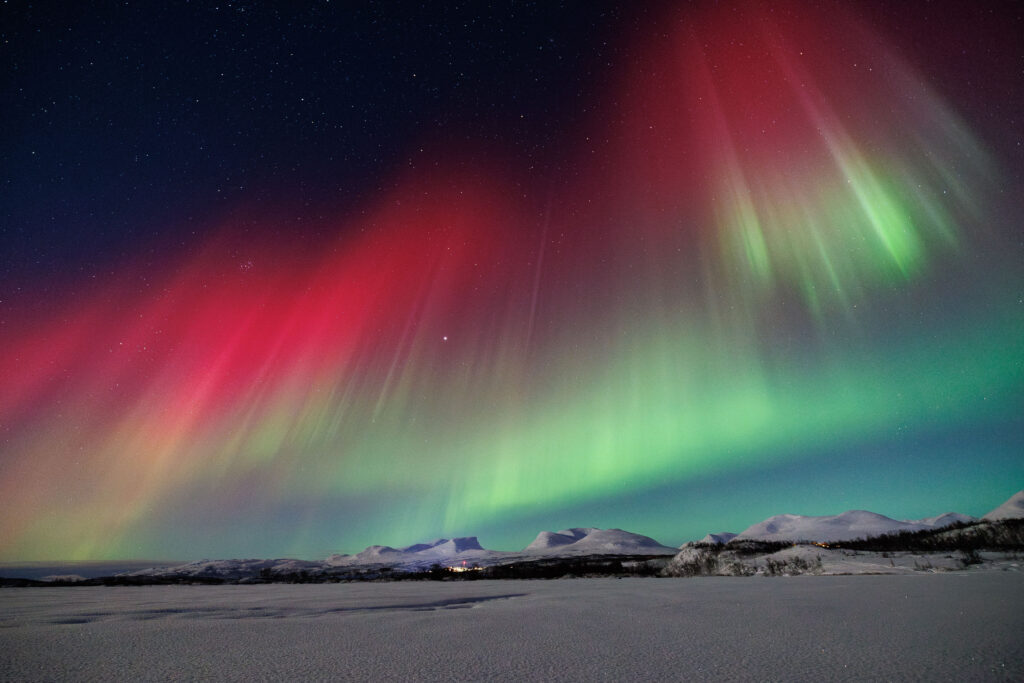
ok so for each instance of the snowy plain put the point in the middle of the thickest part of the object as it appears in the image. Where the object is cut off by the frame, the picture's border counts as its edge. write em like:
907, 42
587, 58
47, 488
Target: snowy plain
951, 626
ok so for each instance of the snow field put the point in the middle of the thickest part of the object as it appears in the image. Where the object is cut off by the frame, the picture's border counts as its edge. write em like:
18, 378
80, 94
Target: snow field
960, 626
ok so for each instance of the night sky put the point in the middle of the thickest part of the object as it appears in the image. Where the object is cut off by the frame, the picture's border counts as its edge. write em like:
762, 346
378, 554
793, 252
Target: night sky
288, 279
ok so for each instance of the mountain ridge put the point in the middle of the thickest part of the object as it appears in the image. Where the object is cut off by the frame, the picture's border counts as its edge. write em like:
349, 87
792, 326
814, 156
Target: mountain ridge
467, 552
846, 526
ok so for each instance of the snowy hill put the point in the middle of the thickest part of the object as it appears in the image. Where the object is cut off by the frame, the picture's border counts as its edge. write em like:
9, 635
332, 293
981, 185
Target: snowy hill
589, 541
547, 540
718, 539
468, 551
944, 520
1011, 509
445, 546
843, 527
421, 555
374, 554
230, 569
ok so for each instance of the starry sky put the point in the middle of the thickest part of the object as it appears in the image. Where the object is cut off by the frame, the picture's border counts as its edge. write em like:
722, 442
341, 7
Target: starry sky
288, 279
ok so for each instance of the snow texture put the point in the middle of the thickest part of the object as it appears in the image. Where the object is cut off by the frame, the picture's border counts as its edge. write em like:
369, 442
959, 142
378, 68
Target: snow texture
958, 626
1011, 509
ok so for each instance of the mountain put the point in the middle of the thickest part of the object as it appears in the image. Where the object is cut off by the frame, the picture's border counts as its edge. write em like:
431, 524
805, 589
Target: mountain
445, 546
547, 540
843, 527
1011, 509
374, 554
718, 539
590, 541
466, 551
420, 555
944, 520
229, 569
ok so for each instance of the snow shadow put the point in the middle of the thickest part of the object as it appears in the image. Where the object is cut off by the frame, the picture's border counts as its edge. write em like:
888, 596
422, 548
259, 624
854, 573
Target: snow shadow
272, 612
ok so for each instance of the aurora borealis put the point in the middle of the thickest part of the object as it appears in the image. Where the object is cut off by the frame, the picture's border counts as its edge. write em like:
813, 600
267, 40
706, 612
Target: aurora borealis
771, 263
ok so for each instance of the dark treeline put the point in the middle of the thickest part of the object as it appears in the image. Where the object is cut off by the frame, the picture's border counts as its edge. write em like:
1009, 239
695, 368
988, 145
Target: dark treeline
548, 568
175, 580
577, 567
1005, 535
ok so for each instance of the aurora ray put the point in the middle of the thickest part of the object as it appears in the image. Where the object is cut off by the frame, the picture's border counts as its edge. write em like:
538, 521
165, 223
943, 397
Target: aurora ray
748, 271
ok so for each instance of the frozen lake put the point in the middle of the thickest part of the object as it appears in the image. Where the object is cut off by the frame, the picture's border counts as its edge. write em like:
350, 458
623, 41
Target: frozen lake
930, 627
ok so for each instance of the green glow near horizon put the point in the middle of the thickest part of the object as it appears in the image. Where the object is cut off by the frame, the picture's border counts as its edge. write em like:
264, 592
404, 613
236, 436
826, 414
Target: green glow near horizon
832, 282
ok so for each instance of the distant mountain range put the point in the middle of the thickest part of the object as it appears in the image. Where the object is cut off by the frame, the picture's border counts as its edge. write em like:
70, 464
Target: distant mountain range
458, 553
847, 526
467, 553
467, 550
854, 524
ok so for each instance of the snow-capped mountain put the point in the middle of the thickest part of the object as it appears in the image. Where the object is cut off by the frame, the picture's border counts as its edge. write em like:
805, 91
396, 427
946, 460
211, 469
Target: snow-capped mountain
717, 539
590, 541
944, 520
373, 554
1011, 509
456, 552
420, 555
580, 541
468, 551
843, 527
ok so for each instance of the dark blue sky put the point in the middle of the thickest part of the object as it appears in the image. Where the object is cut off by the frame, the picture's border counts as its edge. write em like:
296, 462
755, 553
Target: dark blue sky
127, 125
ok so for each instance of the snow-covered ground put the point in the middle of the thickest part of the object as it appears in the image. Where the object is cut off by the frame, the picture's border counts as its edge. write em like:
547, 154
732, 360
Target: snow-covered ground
956, 626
